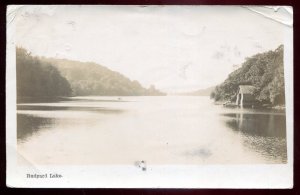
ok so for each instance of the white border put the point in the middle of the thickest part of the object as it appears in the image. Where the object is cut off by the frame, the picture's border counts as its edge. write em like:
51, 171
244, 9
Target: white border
202, 176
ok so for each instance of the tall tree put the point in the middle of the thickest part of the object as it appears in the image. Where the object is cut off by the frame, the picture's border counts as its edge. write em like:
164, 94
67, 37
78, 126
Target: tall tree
36, 78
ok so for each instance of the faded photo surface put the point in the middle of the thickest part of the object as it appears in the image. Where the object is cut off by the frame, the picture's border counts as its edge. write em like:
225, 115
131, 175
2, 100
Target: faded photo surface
146, 86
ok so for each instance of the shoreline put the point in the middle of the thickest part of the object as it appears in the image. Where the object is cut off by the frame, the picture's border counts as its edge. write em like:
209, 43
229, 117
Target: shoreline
255, 106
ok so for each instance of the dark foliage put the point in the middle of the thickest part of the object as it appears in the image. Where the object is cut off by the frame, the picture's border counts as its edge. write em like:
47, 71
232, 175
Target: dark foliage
264, 71
88, 78
48, 78
36, 78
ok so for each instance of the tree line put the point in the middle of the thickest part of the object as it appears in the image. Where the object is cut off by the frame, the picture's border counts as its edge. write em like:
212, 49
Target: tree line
49, 77
265, 71
37, 78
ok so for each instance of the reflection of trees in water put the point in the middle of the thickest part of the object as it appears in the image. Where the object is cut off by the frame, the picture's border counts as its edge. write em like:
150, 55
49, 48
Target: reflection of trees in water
72, 108
28, 125
272, 148
267, 125
263, 133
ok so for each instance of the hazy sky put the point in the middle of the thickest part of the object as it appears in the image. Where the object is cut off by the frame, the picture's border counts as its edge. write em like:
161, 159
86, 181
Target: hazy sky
176, 48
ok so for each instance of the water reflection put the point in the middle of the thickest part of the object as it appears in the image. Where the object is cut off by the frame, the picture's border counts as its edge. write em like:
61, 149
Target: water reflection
72, 108
185, 130
28, 125
33, 118
264, 133
270, 125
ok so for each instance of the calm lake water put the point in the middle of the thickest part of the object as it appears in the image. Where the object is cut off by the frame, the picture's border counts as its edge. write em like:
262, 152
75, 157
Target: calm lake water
159, 130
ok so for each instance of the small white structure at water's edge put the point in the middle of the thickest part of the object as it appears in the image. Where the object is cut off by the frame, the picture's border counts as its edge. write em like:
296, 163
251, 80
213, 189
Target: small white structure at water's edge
245, 96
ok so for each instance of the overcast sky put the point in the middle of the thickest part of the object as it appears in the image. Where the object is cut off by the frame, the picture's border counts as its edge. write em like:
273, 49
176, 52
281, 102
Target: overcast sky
176, 48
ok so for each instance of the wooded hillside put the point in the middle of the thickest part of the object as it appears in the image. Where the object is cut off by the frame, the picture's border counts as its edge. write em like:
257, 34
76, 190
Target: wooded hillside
264, 71
88, 78
37, 78
44, 77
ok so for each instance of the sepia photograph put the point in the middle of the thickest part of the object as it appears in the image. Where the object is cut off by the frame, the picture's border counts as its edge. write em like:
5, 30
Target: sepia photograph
149, 86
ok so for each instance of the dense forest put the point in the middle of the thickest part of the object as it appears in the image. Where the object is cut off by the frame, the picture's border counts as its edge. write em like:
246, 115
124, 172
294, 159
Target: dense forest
264, 71
45, 77
88, 78
37, 78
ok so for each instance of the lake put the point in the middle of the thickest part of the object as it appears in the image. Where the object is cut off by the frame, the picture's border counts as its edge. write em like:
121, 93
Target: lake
159, 130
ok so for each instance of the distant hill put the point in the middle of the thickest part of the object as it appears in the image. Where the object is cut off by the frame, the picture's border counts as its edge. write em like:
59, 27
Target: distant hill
88, 78
264, 71
200, 92
40, 78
